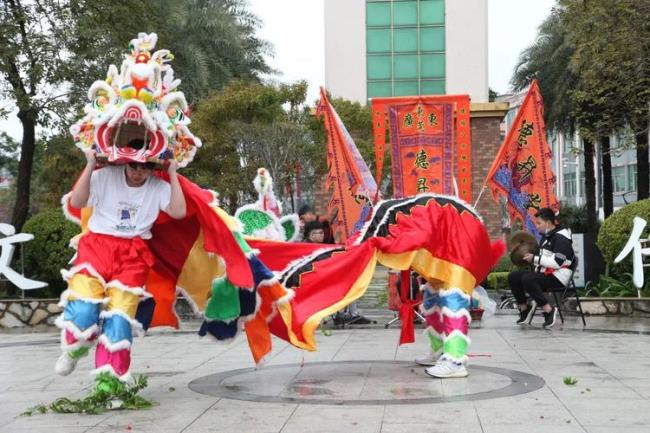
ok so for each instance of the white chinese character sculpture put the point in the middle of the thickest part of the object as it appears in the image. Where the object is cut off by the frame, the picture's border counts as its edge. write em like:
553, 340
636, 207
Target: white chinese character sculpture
637, 246
6, 253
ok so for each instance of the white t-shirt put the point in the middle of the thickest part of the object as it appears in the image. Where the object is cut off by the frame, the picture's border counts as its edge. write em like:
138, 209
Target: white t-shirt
121, 210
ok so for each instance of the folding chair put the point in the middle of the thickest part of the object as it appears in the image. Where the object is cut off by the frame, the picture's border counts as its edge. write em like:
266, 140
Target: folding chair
565, 293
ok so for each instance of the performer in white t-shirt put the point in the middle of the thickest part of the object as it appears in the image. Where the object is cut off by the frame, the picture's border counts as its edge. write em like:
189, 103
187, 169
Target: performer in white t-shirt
113, 260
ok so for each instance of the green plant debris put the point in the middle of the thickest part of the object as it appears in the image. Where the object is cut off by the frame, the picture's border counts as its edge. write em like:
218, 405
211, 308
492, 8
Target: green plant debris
109, 393
568, 380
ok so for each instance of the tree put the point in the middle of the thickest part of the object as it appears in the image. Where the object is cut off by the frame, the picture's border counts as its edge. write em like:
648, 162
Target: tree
213, 42
40, 62
246, 126
548, 60
52, 51
612, 41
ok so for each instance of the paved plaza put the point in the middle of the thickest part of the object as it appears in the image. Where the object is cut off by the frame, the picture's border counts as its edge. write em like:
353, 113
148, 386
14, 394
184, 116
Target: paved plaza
358, 381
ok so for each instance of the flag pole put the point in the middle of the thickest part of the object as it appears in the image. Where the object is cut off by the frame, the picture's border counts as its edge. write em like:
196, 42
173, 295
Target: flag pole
480, 193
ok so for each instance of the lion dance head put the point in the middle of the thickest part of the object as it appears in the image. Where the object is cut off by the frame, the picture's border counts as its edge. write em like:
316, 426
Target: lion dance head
136, 114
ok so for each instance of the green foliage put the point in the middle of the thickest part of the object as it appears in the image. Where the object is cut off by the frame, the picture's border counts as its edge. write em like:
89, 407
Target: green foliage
9, 154
213, 43
619, 287
59, 164
49, 252
615, 232
497, 280
246, 126
504, 264
568, 380
109, 393
575, 218
548, 59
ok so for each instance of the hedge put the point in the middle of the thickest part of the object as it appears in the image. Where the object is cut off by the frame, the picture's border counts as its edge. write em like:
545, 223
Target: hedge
49, 251
615, 232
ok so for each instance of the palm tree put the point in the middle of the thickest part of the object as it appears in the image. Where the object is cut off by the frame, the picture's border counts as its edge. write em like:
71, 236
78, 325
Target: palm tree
549, 60
213, 42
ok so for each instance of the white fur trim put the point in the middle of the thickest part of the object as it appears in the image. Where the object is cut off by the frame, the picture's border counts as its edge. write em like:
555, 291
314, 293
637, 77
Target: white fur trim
448, 292
299, 262
126, 377
241, 323
65, 298
402, 202
286, 298
457, 314
431, 330
295, 220
457, 333
66, 212
138, 291
108, 314
195, 308
67, 274
429, 311
67, 325
252, 253
114, 347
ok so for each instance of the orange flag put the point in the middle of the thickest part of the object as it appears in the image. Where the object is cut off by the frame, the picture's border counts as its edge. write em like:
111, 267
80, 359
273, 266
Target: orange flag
349, 179
430, 139
522, 169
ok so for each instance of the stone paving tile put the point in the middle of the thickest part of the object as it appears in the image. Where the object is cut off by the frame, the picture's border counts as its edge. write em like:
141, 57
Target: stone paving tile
413, 427
328, 419
614, 366
238, 416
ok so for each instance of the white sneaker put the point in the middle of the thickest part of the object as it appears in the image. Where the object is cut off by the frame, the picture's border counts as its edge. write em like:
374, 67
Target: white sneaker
65, 364
445, 368
428, 360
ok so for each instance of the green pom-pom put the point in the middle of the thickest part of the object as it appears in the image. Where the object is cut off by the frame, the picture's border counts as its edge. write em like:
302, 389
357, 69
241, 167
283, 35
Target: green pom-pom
224, 302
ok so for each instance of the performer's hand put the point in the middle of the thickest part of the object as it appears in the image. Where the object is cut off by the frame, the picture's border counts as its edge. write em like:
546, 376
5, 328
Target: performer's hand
91, 158
528, 257
172, 166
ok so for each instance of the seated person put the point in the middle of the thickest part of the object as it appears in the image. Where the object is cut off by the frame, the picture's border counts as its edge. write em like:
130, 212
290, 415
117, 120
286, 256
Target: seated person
314, 232
552, 269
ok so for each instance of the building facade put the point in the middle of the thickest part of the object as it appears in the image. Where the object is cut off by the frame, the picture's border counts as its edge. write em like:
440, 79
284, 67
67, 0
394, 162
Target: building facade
379, 48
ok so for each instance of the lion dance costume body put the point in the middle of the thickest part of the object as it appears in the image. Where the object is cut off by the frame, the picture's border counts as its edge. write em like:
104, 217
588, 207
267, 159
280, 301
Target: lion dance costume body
235, 278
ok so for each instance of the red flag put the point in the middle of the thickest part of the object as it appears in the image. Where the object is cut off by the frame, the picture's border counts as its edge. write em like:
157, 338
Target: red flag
522, 169
349, 178
430, 141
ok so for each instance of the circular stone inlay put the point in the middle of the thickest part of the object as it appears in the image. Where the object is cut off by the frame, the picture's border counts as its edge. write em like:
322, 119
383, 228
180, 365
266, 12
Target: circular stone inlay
362, 383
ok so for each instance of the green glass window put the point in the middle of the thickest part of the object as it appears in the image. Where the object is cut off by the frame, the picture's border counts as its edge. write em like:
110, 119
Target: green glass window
405, 13
378, 40
432, 12
380, 88
432, 65
433, 87
405, 40
405, 47
631, 177
378, 13
432, 39
379, 67
406, 66
406, 88
618, 179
